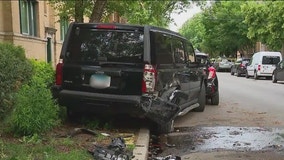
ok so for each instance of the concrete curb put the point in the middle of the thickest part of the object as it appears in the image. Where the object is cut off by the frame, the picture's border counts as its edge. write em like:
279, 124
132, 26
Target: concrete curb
140, 151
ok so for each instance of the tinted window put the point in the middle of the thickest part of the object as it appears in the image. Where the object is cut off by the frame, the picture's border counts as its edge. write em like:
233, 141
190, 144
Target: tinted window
161, 46
201, 59
105, 46
179, 52
270, 59
191, 53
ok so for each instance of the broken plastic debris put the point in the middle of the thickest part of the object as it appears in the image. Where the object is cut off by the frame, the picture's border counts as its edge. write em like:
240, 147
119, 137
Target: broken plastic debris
115, 151
170, 145
169, 157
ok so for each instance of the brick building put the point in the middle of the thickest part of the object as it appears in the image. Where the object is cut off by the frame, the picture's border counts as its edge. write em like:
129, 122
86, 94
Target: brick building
33, 24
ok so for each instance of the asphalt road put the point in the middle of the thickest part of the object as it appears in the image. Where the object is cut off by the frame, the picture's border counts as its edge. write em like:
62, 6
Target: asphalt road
243, 102
253, 94
247, 124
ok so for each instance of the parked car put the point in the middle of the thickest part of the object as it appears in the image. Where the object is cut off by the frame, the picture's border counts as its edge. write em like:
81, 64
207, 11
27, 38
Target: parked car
239, 67
262, 64
211, 79
223, 64
142, 71
278, 73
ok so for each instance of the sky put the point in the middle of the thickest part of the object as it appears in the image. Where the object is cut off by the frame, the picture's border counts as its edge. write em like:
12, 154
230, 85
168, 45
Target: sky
179, 19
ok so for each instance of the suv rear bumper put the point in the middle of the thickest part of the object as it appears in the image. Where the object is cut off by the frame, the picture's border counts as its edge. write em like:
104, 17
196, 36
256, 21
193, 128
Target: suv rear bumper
67, 95
109, 104
155, 109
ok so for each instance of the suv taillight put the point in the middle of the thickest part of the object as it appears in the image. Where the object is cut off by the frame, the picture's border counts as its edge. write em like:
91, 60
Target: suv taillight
149, 79
58, 74
258, 67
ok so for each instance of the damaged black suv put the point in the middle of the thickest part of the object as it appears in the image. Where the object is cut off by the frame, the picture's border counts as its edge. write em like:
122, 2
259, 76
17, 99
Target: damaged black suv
143, 71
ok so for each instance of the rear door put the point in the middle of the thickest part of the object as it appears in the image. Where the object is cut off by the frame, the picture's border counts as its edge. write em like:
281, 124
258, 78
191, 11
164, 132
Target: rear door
104, 59
269, 63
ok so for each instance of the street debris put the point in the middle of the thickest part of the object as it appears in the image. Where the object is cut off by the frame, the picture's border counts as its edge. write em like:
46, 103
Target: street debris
170, 145
169, 157
105, 134
156, 147
116, 150
77, 131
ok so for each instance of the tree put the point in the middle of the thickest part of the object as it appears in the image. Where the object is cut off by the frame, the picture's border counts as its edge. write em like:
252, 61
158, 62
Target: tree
224, 33
77, 9
194, 30
266, 22
155, 12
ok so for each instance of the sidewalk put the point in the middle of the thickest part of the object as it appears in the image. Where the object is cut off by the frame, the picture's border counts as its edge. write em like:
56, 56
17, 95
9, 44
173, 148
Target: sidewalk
140, 151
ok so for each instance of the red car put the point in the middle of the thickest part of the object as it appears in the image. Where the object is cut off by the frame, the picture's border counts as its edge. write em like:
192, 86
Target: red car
211, 80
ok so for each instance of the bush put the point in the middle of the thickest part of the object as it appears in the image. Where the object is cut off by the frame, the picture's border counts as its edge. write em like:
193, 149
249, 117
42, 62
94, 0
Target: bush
35, 110
15, 70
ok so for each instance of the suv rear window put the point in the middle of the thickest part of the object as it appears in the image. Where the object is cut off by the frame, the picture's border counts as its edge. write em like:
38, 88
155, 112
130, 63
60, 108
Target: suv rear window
93, 45
270, 59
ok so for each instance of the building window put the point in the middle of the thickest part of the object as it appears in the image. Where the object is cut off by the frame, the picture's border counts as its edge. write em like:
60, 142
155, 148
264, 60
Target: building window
28, 17
63, 28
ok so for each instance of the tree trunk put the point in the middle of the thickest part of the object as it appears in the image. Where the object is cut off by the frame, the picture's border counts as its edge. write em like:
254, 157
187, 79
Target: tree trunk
79, 11
98, 10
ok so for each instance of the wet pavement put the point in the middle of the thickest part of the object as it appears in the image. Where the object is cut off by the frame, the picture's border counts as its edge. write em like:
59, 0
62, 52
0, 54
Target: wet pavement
203, 139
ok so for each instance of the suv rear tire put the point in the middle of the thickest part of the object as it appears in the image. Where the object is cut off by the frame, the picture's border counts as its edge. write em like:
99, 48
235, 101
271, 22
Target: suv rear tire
232, 73
238, 73
247, 76
274, 80
215, 99
255, 75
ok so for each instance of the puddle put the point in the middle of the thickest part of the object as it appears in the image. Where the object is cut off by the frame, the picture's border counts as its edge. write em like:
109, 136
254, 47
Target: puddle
228, 138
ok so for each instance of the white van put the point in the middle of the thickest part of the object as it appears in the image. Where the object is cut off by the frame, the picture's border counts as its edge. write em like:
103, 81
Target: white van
262, 64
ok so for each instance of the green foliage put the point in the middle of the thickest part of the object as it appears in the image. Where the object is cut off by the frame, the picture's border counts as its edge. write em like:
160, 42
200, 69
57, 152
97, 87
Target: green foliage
32, 139
194, 30
155, 12
92, 124
35, 111
219, 29
55, 150
147, 12
265, 20
15, 70
44, 71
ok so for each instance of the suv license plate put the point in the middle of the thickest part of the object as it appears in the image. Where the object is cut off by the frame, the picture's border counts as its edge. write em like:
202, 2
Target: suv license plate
100, 81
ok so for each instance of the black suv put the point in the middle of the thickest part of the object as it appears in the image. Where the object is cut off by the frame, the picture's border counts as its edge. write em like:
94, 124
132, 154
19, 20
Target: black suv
143, 71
